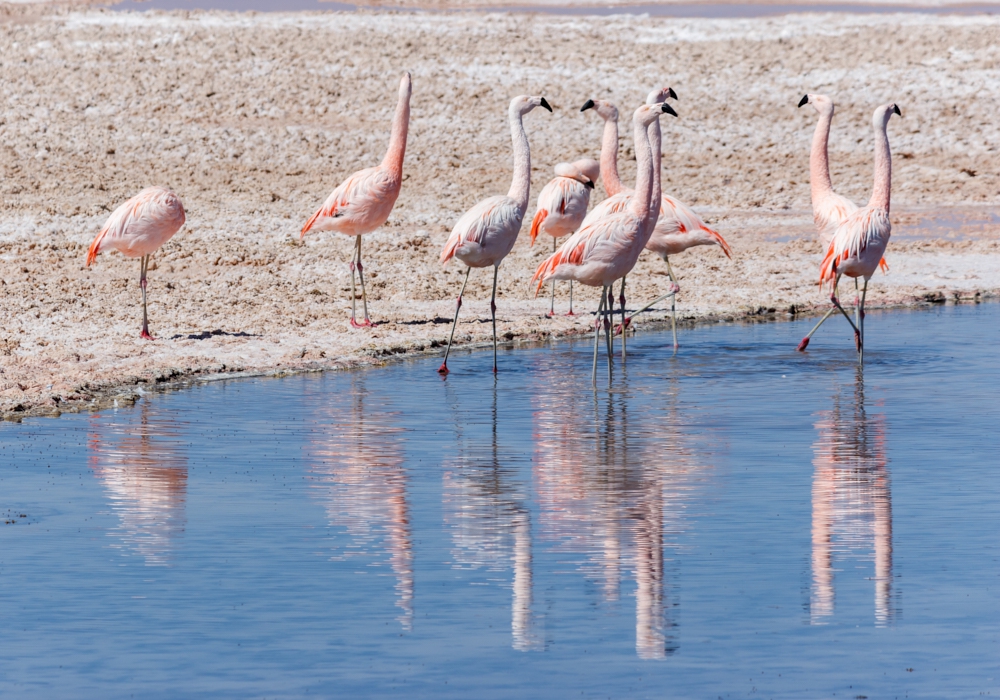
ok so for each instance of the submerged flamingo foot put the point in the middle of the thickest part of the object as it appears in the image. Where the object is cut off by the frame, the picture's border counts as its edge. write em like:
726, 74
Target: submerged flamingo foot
443, 369
619, 327
857, 340
145, 335
803, 345
494, 369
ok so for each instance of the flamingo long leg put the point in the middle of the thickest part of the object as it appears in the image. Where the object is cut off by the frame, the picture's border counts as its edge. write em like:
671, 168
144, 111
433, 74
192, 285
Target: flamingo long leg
571, 299
443, 369
493, 312
861, 324
836, 302
805, 341
597, 336
552, 299
354, 263
621, 300
364, 295
143, 267
609, 310
673, 301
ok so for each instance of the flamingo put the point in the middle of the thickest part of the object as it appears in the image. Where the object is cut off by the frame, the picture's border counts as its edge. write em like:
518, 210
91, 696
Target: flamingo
363, 202
677, 227
137, 229
485, 234
860, 241
829, 208
605, 250
562, 205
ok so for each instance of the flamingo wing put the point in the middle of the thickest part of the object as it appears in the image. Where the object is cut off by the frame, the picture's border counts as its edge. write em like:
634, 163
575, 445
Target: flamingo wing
614, 204
600, 240
355, 199
492, 217
674, 212
856, 235
151, 217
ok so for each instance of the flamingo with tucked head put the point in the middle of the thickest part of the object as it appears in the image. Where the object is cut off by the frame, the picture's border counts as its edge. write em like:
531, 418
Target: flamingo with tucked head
137, 229
860, 241
486, 233
363, 202
562, 206
605, 250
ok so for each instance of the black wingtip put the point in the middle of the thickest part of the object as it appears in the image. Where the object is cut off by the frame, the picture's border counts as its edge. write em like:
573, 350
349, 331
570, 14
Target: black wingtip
671, 93
545, 104
669, 110
804, 100
589, 104
895, 108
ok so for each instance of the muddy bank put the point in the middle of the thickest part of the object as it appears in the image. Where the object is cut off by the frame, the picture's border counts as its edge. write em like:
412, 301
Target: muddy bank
253, 119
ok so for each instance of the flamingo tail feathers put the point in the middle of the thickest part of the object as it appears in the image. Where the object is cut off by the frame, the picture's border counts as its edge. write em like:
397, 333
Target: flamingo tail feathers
720, 240
536, 223
549, 265
884, 266
95, 247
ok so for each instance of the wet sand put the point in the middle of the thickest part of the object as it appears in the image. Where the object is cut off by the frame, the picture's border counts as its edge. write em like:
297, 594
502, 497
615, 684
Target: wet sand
253, 119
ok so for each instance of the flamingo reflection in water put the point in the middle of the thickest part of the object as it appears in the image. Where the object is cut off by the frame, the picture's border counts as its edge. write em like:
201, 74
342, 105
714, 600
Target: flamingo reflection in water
852, 505
355, 454
139, 459
486, 508
611, 486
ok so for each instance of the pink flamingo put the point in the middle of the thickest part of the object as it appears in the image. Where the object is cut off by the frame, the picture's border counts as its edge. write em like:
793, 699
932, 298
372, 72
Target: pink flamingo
137, 229
677, 227
860, 241
830, 209
363, 201
607, 249
562, 205
486, 233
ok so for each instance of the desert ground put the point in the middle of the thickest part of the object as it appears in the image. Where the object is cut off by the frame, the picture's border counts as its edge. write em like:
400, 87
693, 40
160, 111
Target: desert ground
254, 118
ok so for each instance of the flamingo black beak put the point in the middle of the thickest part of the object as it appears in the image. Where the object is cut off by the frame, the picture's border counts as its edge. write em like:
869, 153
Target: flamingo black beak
669, 110
545, 104
589, 184
671, 93
589, 104
896, 110
804, 100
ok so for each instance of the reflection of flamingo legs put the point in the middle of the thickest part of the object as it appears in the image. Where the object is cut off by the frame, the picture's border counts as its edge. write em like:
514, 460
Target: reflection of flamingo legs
521, 607
621, 300
598, 319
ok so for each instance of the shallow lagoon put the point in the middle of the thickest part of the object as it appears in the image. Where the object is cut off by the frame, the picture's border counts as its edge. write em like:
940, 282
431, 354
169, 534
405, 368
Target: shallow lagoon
736, 519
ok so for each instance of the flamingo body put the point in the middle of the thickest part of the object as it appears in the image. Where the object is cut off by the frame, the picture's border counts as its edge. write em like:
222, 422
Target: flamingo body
598, 254
141, 225
485, 234
858, 245
360, 204
563, 202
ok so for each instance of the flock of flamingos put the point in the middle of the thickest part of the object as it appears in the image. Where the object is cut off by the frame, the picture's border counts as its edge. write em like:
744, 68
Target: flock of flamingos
602, 247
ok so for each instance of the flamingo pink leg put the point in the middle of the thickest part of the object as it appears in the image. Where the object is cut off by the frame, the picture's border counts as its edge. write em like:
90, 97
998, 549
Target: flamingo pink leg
571, 299
143, 266
493, 313
443, 369
621, 300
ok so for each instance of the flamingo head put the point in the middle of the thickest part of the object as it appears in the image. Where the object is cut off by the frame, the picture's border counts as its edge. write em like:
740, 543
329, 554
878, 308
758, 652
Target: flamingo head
821, 103
660, 95
605, 109
883, 113
584, 171
647, 114
522, 104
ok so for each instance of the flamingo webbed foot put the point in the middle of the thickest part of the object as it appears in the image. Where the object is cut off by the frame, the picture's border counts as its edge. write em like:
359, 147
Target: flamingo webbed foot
443, 369
803, 345
145, 335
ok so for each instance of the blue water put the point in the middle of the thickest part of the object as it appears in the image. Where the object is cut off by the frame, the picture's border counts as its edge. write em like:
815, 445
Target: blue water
736, 520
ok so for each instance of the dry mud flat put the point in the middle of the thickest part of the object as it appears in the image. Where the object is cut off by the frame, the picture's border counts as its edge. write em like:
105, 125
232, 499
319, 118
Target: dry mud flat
253, 119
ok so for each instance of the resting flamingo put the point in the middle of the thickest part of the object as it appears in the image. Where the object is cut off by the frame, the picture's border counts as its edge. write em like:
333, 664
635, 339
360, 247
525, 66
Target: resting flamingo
860, 241
829, 208
562, 205
486, 233
363, 201
137, 229
677, 228
605, 250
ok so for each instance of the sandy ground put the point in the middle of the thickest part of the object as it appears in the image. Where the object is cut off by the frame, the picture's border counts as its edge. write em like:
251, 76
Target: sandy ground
253, 119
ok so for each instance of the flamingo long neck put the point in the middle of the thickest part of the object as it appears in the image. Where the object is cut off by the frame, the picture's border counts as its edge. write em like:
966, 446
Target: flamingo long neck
656, 146
393, 160
883, 170
819, 159
609, 158
520, 187
639, 204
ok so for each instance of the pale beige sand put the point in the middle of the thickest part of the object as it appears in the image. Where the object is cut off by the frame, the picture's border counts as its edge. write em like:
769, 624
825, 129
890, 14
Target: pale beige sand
253, 119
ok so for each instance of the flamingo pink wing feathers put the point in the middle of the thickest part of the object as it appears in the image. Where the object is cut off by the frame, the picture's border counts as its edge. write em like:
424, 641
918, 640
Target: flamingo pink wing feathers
141, 225
860, 242
488, 225
360, 204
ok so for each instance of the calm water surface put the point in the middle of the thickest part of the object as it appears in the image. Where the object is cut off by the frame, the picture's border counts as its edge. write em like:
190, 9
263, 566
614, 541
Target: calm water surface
738, 519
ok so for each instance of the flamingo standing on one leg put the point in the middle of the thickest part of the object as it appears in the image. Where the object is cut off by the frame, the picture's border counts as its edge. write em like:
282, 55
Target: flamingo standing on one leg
607, 249
829, 208
137, 229
363, 202
486, 233
562, 205
860, 241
